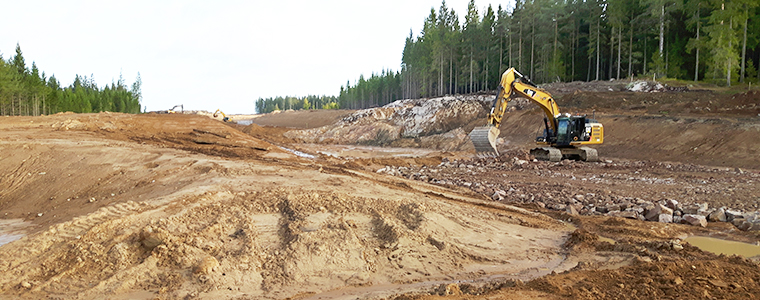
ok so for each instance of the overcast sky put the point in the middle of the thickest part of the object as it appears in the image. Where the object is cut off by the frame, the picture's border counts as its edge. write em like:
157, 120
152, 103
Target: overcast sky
217, 54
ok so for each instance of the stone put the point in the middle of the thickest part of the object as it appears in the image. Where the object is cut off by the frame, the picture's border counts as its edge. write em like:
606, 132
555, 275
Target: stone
672, 204
570, 209
694, 220
751, 216
206, 265
733, 214
612, 207
602, 209
742, 224
696, 209
653, 214
624, 214
718, 215
497, 196
665, 218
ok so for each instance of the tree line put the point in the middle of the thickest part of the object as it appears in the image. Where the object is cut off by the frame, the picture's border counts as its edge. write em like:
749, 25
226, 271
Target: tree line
267, 105
28, 92
714, 41
569, 40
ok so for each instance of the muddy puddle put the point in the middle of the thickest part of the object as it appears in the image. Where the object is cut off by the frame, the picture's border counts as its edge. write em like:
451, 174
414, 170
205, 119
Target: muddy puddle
12, 229
719, 246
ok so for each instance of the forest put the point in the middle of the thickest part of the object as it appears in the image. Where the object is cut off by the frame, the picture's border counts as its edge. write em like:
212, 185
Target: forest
714, 41
28, 92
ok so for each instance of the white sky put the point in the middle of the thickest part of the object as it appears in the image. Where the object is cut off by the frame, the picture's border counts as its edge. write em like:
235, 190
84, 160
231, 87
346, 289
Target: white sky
217, 54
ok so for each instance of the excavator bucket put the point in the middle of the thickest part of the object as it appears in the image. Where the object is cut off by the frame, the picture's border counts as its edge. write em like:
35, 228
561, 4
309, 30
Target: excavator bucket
484, 139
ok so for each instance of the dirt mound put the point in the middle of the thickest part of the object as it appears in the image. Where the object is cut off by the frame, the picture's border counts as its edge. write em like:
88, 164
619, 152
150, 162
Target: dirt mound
300, 119
403, 123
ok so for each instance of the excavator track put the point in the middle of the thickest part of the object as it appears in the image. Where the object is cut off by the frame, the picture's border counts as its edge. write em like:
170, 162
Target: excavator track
557, 154
484, 140
547, 153
589, 154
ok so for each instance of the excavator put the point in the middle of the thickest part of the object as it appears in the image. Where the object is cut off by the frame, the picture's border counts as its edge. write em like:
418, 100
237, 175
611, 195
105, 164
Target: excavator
225, 118
564, 135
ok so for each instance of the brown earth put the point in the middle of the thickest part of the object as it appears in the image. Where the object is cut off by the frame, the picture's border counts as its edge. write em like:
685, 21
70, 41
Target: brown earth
118, 206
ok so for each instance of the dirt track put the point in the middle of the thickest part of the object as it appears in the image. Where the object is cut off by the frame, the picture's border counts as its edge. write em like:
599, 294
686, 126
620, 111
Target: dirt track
181, 206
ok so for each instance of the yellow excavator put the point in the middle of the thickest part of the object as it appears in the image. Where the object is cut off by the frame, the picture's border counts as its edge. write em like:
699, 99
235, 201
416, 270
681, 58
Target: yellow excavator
564, 136
225, 118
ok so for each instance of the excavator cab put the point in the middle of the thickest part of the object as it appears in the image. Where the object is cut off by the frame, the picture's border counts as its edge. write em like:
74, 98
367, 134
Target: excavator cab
571, 130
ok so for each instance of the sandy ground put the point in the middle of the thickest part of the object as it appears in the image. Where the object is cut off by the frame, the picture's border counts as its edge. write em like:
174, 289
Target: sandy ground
115, 206
171, 206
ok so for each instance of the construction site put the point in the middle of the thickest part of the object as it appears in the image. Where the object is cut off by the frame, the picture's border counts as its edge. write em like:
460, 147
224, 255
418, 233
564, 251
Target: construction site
390, 202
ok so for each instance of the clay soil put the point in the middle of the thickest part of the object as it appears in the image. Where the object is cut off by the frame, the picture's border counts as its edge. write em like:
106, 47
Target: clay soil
115, 206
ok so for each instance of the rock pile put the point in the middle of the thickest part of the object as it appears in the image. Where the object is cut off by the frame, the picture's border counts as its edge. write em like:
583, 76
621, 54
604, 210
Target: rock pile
489, 177
432, 123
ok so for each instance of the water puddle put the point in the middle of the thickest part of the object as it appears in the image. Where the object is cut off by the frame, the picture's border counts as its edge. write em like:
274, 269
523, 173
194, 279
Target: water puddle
299, 153
719, 246
12, 229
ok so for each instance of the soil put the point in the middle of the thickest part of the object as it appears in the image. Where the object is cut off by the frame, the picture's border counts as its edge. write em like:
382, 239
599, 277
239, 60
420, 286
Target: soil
117, 206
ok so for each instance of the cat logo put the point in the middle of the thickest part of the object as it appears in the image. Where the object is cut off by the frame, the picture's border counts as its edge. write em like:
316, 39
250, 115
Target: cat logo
530, 92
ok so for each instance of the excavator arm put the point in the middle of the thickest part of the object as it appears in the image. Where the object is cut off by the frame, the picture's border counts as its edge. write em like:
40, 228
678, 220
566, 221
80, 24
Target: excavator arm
513, 84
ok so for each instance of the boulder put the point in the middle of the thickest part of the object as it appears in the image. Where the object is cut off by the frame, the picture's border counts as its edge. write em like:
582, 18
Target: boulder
665, 218
653, 214
570, 209
612, 207
718, 215
696, 209
694, 220
672, 204
624, 214
733, 214
742, 224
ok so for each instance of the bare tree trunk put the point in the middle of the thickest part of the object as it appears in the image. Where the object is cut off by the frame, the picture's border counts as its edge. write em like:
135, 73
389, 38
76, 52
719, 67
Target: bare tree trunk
612, 51
510, 47
485, 77
501, 53
728, 70
597, 49
440, 77
555, 68
451, 71
662, 30
620, 49
572, 52
696, 65
630, 51
744, 50
532, 42
519, 49
471, 83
